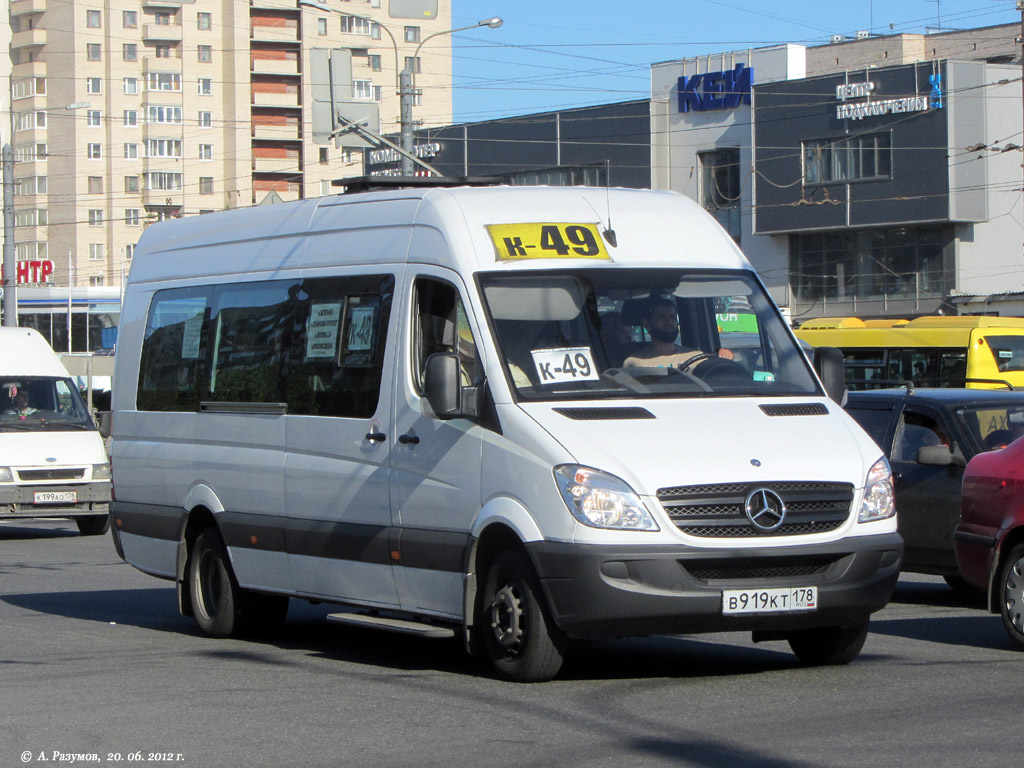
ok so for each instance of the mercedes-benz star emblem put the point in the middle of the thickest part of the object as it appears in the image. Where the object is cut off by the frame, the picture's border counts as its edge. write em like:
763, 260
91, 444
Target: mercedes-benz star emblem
765, 509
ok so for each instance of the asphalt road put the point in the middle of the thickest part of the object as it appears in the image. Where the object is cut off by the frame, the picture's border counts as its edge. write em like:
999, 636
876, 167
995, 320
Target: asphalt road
95, 662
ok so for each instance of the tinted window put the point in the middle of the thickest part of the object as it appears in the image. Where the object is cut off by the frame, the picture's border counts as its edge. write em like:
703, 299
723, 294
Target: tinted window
173, 352
873, 422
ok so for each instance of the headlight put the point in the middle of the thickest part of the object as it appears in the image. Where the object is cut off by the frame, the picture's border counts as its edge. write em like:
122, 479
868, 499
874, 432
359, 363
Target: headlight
100, 471
5, 475
601, 500
878, 494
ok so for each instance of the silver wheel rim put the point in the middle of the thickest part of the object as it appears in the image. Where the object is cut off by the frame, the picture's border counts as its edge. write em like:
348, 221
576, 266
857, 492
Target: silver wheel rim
506, 615
1013, 595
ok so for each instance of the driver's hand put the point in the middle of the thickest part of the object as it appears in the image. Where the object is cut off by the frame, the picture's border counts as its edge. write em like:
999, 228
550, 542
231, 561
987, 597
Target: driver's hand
725, 353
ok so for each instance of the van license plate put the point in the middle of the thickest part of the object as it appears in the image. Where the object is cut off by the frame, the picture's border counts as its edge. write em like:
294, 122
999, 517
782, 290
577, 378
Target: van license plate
784, 600
54, 497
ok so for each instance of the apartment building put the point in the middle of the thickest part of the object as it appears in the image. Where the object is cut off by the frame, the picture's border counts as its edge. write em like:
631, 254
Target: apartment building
130, 112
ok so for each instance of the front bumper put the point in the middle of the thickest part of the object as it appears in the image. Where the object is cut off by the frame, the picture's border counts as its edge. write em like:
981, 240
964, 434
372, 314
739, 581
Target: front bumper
598, 592
18, 501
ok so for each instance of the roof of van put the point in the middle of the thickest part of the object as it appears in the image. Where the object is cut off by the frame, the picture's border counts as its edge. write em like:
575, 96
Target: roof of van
26, 353
651, 228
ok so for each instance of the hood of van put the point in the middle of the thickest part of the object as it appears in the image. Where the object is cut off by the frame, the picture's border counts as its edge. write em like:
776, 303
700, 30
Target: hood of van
655, 444
51, 449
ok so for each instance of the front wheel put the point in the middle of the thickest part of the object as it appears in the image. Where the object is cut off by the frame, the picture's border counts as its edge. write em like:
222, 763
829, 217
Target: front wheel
829, 646
1011, 602
522, 641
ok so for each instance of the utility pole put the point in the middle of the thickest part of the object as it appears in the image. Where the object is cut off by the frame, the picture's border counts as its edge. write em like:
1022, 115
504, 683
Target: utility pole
10, 266
406, 94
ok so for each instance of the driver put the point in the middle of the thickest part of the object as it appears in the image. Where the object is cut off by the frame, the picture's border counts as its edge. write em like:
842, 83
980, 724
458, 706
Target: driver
662, 351
20, 406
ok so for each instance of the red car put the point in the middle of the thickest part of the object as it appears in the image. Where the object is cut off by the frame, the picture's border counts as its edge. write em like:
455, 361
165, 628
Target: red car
989, 540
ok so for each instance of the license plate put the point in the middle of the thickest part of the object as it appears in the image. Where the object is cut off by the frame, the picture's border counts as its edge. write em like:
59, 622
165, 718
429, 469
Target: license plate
785, 600
54, 497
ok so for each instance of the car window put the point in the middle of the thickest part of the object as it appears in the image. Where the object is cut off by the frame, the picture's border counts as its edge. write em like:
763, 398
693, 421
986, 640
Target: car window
873, 421
916, 431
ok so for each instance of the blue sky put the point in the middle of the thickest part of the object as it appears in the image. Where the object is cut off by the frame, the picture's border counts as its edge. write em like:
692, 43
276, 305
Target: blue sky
553, 54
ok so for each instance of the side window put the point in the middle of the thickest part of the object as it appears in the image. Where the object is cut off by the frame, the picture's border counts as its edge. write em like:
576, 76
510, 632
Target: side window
171, 368
441, 325
874, 422
917, 431
337, 353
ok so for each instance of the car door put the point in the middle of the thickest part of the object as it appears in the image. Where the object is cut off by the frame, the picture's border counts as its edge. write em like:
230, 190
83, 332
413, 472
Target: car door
927, 497
435, 489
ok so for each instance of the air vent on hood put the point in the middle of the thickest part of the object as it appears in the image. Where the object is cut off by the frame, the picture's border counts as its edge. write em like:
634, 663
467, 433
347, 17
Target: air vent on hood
604, 414
795, 409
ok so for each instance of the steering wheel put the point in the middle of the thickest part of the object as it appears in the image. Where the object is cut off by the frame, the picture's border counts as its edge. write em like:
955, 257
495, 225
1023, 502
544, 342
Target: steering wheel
696, 359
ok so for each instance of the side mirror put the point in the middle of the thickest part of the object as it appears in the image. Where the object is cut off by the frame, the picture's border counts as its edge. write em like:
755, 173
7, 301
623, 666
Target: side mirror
104, 419
442, 385
939, 456
828, 362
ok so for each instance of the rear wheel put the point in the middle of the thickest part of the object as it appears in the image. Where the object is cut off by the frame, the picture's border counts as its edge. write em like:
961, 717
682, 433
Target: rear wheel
522, 641
829, 646
1011, 595
216, 596
93, 525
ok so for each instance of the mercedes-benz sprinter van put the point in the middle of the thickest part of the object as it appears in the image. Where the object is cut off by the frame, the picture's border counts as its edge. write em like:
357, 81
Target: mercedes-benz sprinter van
52, 460
517, 414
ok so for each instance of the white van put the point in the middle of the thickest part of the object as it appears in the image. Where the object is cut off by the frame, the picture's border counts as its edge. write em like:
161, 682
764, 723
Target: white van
445, 407
52, 460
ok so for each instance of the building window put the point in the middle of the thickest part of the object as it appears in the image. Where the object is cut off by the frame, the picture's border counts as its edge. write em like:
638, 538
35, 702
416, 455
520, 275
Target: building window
163, 19
163, 51
206, 119
131, 152
205, 86
412, 63
28, 86
321, 27
163, 148
206, 151
205, 53
93, 118
95, 185
206, 185
412, 34
30, 185
362, 89
325, 187
131, 85
95, 217
95, 251
132, 217
375, 31
30, 153
373, 60
92, 51
25, 251
204, 20
323, 155
162, 180
30, 217
131, 183
163, 81
130, 52
354, 25
857, 157
131, 118
94, 151
129, 252
94, 19
93, 85
129, 19
26, 121
164, 114
95, 280
720, 188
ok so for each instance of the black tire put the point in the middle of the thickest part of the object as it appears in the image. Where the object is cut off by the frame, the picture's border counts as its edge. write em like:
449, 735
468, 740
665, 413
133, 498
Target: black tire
216, 596
1010, 595
522, 641
93, 525
829, 646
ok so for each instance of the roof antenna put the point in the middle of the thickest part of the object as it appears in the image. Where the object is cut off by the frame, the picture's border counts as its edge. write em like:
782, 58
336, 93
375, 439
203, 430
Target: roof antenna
609, 233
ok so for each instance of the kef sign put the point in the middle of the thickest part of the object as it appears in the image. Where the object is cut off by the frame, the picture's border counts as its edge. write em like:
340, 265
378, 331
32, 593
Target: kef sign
716, 90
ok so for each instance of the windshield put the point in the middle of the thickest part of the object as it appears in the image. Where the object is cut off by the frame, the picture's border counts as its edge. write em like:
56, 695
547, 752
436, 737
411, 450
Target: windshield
606, 333
38, 403
992, 426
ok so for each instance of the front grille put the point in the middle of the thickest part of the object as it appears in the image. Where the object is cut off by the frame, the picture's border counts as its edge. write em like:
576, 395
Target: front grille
718, 511
60, 473
759, 568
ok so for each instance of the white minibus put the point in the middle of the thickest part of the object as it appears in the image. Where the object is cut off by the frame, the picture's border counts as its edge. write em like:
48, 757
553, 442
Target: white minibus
507, 413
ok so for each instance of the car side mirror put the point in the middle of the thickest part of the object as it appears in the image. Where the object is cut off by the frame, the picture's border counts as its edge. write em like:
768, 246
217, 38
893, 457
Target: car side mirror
442, 385
940, 456
828, 362
104, 419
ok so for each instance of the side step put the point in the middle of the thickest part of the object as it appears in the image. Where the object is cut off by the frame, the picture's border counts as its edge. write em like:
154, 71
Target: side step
402, 626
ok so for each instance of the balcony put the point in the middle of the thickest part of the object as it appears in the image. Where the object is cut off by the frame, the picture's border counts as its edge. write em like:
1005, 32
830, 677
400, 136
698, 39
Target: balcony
157, 64
275, 67
161, 131
276, 165
289, 5
28, 37
166, 98
260, 99
163, 32
29, 69
276, 132
162, 164
163, 198
275, 34
18, 7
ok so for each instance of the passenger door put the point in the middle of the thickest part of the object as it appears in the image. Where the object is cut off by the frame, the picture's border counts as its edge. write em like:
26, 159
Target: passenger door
338, 391
435, 490
927, 497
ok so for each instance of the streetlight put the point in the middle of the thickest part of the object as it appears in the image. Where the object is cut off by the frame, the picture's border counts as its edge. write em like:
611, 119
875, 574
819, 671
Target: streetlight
10, 277
327, 9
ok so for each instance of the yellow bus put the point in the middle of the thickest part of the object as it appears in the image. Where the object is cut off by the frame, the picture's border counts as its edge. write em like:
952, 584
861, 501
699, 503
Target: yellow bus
935, 351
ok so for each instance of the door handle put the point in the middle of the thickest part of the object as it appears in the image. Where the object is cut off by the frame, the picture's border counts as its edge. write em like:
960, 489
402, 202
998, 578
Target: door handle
408, 439
376, 437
